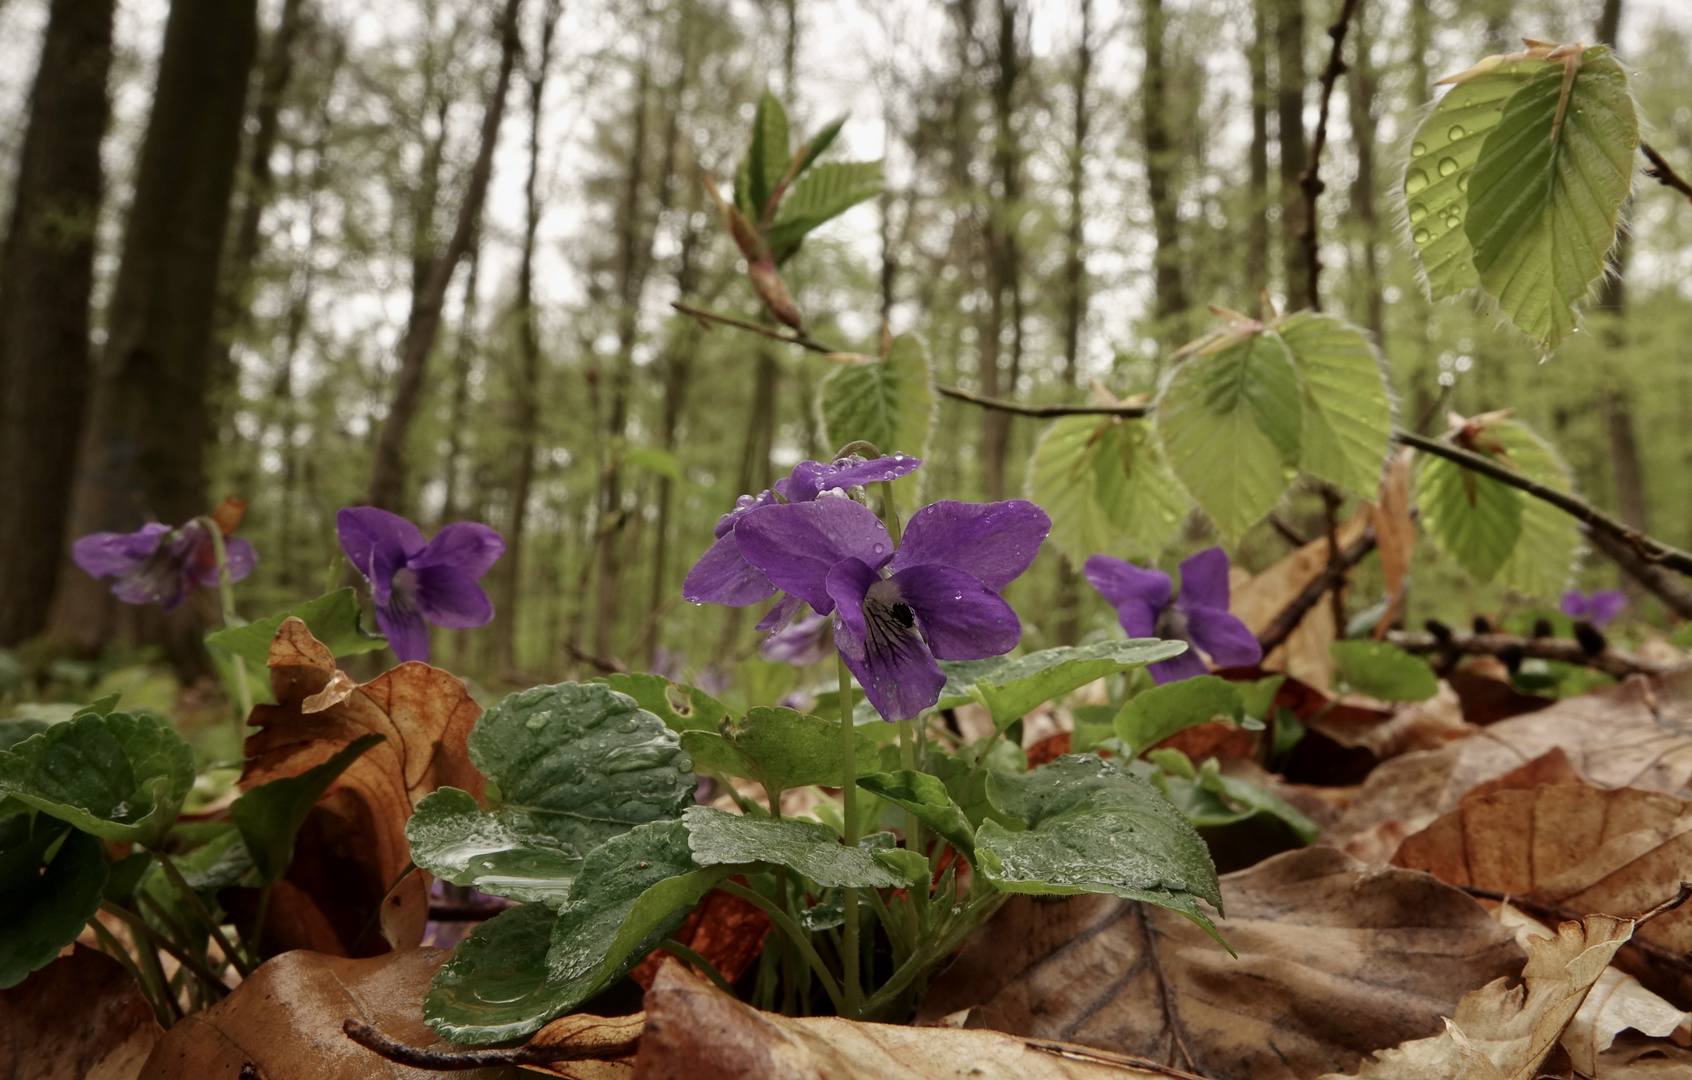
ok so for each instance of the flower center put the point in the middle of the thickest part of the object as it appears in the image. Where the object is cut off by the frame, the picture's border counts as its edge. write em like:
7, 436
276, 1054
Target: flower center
402, 595
889, 622
1172, 625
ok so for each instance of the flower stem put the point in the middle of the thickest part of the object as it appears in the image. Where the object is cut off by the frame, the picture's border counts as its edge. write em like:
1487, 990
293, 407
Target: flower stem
794, 933
890, 510
687, 955
913, 830
114, 948
198, 907
849, 819
226, 594
139, 926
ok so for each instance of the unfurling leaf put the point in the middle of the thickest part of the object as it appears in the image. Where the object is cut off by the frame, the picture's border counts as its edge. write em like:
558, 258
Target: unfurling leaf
821, 194
1153, 715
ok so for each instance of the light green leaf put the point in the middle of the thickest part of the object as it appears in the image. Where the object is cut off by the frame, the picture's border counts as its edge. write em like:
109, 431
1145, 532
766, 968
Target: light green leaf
575, 765
926, 797
719, 838
43, 909
1230, 424
1544, 197
1132, 481
1210, 800
269, 816
120, 777
781, 749
1153, 715
494, 987
1063, 480
766, 159
889, 403
814, 147
331, 618
655, 460
1016, 687
682, 708
1472, 519
1436, 182
824, 192
1544, 555
1347, 403
1383, 671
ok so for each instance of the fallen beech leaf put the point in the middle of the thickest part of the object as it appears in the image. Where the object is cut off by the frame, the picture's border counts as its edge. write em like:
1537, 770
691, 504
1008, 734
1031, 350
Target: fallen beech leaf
1259, 600
725, 930
352, 848
1500, 1032
1335, 960
1487, 699
1395, 534
592, 1035
1581, 849
696, 1032
287, 1019
1640, 1057
80, 1016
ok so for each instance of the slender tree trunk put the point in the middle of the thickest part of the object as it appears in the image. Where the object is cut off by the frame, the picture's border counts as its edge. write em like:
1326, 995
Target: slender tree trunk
1257, 230
1360, 87
463, 355
46, 278
145, 447
1171, 295
1421, 38
388, 475
526, 414
1004, 253
1289, 110
1075, 262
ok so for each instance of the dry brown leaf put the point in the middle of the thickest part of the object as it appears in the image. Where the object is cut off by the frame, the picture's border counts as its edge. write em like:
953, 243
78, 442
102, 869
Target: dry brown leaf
1395, 534
1640, 1057
726, 930
1258, 601
605, 1039
1335, 960
696, 1032
1504, 1032
287, 1019
1580, 849
79, 1018
352, 848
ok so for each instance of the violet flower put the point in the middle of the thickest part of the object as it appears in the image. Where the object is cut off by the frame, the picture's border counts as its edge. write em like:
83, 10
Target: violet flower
159, 565
1199, 616
1597, 608
805, 640
897, 611
723, 576
415, 583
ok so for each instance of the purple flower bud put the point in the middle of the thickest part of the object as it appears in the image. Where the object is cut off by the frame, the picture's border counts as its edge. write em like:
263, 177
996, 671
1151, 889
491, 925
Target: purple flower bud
158, 565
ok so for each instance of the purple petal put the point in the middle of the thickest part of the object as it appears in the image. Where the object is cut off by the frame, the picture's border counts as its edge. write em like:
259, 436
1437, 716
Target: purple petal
1224, 638
797, 544
449, 598
995, 542
1139, 596
469, 547
1606, 604
202, 561
377, 543
1574, 604
742, 506
1204, 580
848, 581
961, 618
407, 633
812, 478
241, 556
899, 676
780, 615
806, 641
160, 582
1185, 666
721, 576
111, 554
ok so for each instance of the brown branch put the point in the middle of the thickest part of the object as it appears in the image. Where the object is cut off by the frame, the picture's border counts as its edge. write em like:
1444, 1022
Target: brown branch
1130, 411
608, 664
460, 1060
799, 338
1170, 1016
1663, 173
1310, 180
1671, 590
1076, 1052
1610, 661
1332, 577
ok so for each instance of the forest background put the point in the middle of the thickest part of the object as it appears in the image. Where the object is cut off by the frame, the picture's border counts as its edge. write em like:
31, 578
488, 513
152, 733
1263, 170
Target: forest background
422, 254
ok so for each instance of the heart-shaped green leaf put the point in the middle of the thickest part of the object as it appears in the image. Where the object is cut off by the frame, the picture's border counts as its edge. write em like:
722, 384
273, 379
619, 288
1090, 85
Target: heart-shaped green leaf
1153, 715
1013, 688
718, 838
331, 618
780, 749
43, 909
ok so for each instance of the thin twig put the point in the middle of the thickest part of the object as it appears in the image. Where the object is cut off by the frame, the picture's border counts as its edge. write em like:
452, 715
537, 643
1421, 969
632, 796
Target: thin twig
1610, 661
608, 664
1310, 180
1132, 411
1169, 1013
1332, 577
1673, 592
1663, 173
460, 1060
801, 339
1089, 1053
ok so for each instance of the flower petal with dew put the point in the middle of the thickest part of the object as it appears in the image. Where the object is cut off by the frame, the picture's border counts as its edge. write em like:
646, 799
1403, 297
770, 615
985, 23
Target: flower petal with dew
797, 544
805, 640
414, 582
1199, 615
1598, 608
811, 479
158, 565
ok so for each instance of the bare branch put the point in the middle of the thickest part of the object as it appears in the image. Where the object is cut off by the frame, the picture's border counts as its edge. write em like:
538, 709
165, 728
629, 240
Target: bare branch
1310, 181
1332, 577
1131, 411
799, 338
1610, 661
1663, 173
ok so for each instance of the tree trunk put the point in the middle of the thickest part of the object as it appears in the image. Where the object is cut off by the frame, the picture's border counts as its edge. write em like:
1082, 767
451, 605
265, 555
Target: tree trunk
1360, 89
1004, 261
1289, 110
388, 474
46, 277
1257, 230
1170, 304
144, 453
1075, 263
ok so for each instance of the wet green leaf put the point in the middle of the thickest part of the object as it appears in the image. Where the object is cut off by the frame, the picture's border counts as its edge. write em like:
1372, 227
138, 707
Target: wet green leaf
926, 797
1013, 688
1153, 715
780, 749
494, 987
682, 708
331, 618
269, 816
1383, 671
717, 838
43, 910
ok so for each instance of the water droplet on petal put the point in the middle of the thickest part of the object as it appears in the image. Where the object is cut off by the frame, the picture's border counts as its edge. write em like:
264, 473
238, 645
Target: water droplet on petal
1463, 182
1417, 212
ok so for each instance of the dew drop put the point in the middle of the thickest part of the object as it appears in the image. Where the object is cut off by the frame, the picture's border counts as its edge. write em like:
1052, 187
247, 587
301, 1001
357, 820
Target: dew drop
1415, 181
1632, 143
1617, 77
1417, 212
1447, 166
1463, 182
1421, 236
1457, 131
1418, 149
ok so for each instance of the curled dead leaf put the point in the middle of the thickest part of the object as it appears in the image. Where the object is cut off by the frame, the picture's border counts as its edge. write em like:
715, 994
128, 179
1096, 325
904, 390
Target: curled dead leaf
81, 1016
1395, 534
1259, 600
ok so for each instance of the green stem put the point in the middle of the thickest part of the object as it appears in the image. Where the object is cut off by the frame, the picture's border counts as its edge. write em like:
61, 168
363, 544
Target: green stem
226, 594
182, 956
115, 948
149, 958
794, 934
198, 907
849, 814
890, 511
682, 952
917, 908
258, 924
980, 908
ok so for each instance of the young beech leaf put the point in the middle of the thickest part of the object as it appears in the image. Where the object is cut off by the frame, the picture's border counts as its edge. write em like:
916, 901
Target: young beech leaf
1544, 555
1347, 402
1153, 715
119, 777
781, 749
1383, 671
331, 618
575, 764
888, 403
1015, 687
1230, 422
1094, 827
718, 838
682, 708
43, 907
269, 816
926, 797
1106, 485
767, 158
1547, 190
822, 193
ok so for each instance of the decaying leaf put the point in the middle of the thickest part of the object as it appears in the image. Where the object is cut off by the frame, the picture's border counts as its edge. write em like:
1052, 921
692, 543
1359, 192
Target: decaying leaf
696, 1032
287, 1020
724, 929
81, 1016
1395, 534
1579, 849
352, 848
1504, 1032
601, 1041
1258, 601
1314, 929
